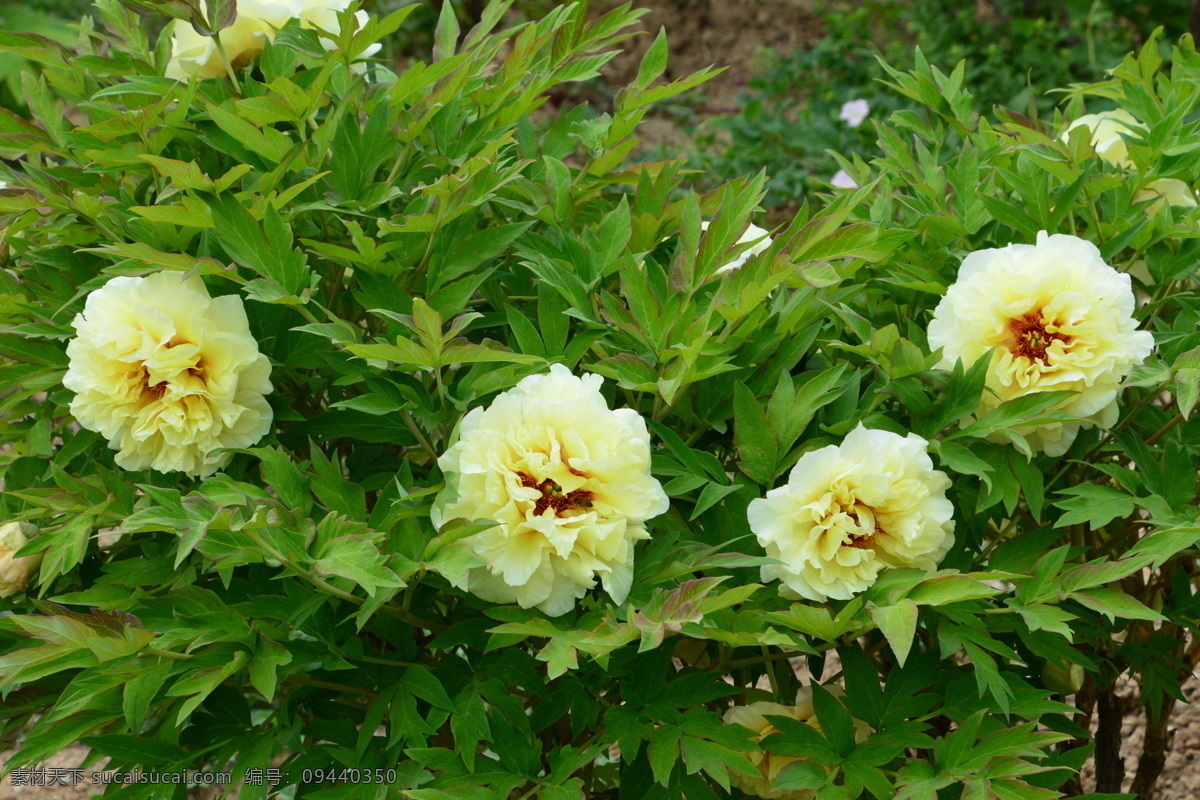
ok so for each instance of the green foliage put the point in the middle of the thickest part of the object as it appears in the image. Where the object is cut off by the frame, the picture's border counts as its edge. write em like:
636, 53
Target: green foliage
410, 245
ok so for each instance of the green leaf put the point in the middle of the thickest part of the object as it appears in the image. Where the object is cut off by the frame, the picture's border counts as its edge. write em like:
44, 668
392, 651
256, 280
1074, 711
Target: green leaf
1043, 617
270, 254
136, 750
654, 63
800, 776
423, 684
282, 474
836, 723
1094, 504
712, 494
334, 491
1114, 603
864, 696
753, 436
898, 623
262, 667
714, 758
470, 723
958, 458
358, 559
942, 589
445, 35
663, 752
560, 657
139, 693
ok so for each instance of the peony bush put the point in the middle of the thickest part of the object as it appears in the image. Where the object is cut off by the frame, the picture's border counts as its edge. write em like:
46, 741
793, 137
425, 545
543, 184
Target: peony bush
375, 433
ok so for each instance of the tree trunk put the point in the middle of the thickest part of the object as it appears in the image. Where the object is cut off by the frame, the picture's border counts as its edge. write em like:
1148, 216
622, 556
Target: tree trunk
1110, 766
1154, 749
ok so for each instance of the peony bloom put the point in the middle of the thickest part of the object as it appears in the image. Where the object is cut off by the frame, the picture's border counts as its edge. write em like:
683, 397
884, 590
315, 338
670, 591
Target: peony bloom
855, 112
192, 53
15, 572
850, 510
842, 180
1108, 129
754, 717
1059, 318
567, 481
168, 374
752, 234
1171, 191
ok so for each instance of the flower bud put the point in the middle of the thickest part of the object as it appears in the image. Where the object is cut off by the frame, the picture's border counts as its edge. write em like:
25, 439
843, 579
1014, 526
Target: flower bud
1063, 679
15, 571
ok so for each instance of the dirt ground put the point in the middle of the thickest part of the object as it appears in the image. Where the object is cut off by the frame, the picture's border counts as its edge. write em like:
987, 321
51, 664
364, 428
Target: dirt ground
722, 33
1181, 775
704, 33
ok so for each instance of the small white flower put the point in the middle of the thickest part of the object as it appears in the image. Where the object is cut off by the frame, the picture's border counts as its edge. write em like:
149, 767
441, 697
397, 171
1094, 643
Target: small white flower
855, 112
567, 480
15, 572
1108, 139
1059, 318
842, 180
848, 511
168, 374
192, 53
762, 243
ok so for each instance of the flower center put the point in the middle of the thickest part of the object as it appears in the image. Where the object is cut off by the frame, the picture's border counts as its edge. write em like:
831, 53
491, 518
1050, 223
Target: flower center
861, 537
863, 541
151, 391
1030, 337
552, 496
189, 366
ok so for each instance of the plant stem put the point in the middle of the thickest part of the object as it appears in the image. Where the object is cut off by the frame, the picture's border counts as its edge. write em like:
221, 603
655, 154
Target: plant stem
387, 662
336, 687
237, 87
771, 676
1161, 432
329, 588
749, 662
154, 651
411, 424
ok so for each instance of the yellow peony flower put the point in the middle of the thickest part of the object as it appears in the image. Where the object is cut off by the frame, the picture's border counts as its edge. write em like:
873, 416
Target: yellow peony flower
15, 572
568, 482
754, 717
1059, 318
168, 374
1108, 129
192, 53
848, 511
1167, 190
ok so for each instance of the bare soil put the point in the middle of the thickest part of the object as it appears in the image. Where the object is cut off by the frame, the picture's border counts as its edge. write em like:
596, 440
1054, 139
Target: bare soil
733, 34
721, 33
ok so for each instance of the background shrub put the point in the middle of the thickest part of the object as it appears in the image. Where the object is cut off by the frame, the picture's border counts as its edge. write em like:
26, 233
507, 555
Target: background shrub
1014, 52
